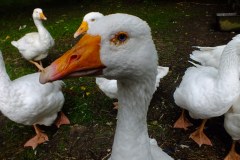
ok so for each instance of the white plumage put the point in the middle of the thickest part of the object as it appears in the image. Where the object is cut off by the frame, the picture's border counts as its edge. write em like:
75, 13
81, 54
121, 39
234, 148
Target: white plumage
26, 101
109, 87
208, 92
209, 56
87, 21
35, 46
120, 47
232, 126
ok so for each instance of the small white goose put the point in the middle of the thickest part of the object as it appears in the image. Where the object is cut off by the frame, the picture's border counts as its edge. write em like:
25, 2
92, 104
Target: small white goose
208, 92
119, 46
109, 87
34, 46
26, 101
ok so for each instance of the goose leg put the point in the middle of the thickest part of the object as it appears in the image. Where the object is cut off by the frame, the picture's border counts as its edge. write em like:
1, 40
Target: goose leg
39, 66
115, 105
40, 63
62, 119
199, 137
232, 155
182, 122
38, 139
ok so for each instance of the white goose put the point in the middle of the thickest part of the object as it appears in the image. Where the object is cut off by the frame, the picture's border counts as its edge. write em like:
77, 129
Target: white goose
232, 126
34, 46
26, 101
208, 92
109, 87
119, 46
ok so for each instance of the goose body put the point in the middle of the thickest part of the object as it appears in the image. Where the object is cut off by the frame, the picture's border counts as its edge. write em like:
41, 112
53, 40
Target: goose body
120, 47
26, 101
35, 46
208, 92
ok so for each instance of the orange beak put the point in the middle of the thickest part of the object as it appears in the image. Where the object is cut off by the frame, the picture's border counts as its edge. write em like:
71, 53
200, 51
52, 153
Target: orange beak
42, 16
82, 60
82, 29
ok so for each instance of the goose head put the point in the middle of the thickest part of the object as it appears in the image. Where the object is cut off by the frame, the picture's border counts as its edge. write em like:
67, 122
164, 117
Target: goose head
88, 20
117, 46
38, 14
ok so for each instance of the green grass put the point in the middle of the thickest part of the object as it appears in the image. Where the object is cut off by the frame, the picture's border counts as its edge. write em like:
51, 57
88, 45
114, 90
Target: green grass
84, 103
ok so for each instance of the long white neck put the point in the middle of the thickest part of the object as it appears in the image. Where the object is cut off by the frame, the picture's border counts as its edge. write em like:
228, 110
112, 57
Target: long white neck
131, 138
41, 29
229, 65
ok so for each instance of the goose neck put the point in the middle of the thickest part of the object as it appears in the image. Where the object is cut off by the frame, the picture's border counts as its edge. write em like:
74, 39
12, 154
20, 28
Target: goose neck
229, 64
131, 137
41, 29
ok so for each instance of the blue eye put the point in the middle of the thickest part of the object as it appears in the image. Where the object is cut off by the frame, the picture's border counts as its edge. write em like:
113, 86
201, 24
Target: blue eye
119, 38
122, 37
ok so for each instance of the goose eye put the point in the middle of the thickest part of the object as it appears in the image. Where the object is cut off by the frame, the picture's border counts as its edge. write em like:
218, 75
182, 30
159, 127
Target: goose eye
119, 38
92, 20
122, 37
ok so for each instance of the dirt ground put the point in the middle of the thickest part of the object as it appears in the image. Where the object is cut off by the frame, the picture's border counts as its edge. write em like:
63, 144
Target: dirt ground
94, 142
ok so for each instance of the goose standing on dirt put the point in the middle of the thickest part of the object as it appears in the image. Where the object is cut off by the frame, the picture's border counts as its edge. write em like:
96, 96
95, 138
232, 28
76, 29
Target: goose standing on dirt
119, 46
208, 92
109, 87
34, 46
26, 101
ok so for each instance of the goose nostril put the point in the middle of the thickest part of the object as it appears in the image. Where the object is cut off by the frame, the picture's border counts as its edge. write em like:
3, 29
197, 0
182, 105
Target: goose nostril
73, 58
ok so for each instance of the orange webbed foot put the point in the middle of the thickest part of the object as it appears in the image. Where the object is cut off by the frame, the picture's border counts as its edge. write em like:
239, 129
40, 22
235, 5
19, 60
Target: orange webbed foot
232, 155
62, 119
36, 140
182, 122
115, 105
